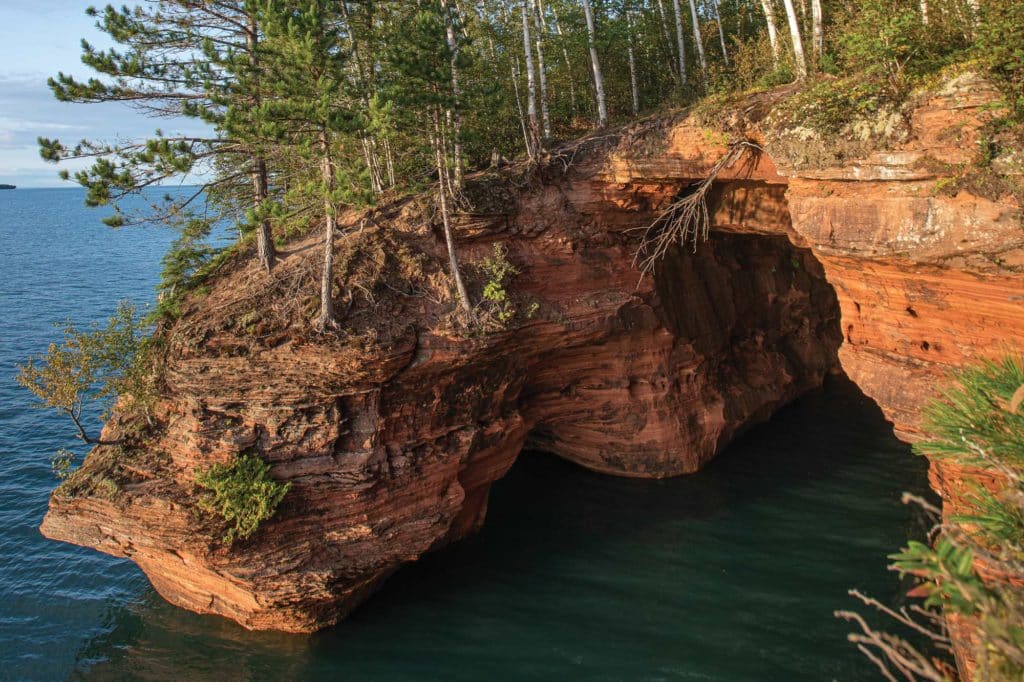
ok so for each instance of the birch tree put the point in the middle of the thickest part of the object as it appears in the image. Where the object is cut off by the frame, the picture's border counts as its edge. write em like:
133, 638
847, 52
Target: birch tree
595, 64
312, 109
773, 31
798, 46
721, 30
545, 114
817, 33
631, 53
453, 113
565, 58
423, 62
680, 43
663, 24
697, 37
531, 87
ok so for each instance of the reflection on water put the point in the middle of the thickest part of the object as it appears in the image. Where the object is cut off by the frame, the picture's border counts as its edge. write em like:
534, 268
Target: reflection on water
730, 574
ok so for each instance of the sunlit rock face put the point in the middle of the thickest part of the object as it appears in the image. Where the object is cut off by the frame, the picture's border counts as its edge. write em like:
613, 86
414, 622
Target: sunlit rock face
391, 441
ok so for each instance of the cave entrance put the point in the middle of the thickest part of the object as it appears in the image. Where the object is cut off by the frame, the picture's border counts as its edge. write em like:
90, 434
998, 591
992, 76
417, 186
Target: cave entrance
723, 335
577, 575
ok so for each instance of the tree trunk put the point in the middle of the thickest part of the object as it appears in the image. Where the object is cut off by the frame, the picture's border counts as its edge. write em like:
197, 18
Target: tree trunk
446, 219
924, 12
663, 23
680, 42
568, 64
773, 31
697, 37
375, 185
264, 236
798, 44
454, 114
541, 70
595, 63
514, 63
632, 62
389, 162
327, 318
531, 87
817, 32
721, 30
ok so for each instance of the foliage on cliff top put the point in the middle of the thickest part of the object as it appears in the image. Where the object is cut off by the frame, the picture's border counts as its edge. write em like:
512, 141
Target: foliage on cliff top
242, 494
885, 53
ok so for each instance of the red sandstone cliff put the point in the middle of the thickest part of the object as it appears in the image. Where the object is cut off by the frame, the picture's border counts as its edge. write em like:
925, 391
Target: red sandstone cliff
392, 431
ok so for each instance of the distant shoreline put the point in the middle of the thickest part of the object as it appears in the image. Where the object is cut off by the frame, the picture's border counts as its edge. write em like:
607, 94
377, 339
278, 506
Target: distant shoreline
155, 188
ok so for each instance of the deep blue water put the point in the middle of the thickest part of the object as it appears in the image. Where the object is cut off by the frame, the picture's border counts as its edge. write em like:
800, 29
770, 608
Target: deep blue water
731, 574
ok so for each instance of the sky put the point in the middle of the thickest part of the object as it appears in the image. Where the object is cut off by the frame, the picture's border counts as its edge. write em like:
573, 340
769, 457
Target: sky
38, 38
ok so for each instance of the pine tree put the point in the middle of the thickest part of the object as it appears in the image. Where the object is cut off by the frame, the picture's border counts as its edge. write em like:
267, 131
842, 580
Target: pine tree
176, 58
311, 109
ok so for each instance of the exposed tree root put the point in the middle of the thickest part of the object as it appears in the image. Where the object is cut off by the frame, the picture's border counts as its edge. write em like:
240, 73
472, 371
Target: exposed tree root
686, 220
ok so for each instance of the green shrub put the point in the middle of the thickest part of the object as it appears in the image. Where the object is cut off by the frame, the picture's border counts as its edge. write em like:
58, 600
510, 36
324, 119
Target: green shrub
242, 493
974, 564
499, 272
498, 309
753, 67
972, 424
979, 423
885, 41
999, 46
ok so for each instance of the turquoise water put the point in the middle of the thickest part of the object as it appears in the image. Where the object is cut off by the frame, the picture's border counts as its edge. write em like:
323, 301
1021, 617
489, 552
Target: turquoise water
731, 574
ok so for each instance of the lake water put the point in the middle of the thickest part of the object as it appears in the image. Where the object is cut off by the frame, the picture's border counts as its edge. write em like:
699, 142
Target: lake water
730, 574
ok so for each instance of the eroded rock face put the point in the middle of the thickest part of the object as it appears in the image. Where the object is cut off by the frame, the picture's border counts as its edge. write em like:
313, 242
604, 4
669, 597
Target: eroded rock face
391, 444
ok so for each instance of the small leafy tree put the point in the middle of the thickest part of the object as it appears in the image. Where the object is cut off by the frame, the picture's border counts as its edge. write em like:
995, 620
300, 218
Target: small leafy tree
499, 273
242, 493
92, 368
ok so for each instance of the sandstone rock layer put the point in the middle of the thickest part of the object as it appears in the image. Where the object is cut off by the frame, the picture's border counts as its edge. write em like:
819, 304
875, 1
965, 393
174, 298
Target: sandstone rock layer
392, 432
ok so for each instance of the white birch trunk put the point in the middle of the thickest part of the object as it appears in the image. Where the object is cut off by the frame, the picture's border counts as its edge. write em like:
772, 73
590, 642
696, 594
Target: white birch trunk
632, 62
595, 63
327, 318
798, 44
721, 31
773, 31
545, 116
454, 114
697, 37
663, 22
531, 84
519, 106
679, 41
818, 37
264, 235
568, 63
442, 172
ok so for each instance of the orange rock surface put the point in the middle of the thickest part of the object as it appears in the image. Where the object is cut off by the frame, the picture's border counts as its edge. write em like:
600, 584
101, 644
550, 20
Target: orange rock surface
391, 444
